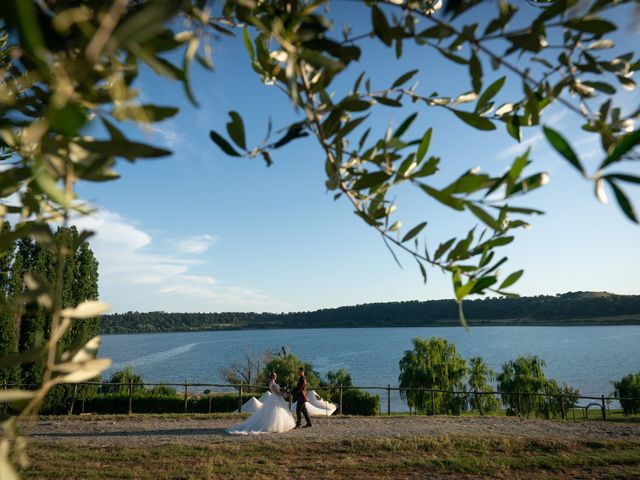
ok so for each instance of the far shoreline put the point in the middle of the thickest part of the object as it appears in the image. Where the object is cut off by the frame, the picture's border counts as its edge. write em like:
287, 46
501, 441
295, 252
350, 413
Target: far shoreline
617, 321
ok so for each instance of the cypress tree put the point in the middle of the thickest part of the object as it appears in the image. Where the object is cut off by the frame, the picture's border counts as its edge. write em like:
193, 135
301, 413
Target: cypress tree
28, 328
8, 333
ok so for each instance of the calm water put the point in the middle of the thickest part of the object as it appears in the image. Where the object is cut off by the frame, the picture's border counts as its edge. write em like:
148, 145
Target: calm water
588, 358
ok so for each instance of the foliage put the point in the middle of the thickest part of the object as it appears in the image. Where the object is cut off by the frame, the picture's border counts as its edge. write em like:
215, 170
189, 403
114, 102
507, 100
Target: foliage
569, 396
525, 375
70, 67
294, 48
286, 367
432, 364
574, 308
163, 390
148, 401
339, 377
628, 388
124, 377
481, 378
359, 402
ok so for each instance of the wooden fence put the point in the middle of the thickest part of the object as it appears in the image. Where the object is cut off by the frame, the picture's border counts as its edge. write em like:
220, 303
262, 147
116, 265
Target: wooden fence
105, 387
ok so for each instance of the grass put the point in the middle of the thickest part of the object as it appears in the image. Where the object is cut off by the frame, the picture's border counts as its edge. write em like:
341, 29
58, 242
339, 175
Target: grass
371, 458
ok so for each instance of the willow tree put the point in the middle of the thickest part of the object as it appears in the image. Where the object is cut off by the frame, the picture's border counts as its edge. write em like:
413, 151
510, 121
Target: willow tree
69, 64
430, 374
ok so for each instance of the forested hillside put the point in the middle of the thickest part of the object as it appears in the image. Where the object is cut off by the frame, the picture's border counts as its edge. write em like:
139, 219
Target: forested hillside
575, 308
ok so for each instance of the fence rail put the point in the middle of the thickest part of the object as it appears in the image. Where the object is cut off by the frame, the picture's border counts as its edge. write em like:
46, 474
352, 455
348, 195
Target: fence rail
108, 387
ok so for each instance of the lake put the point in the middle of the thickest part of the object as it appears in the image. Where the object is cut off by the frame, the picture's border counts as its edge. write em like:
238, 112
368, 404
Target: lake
588, 358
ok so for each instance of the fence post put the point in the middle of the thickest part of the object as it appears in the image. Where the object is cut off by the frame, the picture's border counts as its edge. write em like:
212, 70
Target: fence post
82, 402
388, 399
433, 402
186, 395
209, 402
604, 410
240, 398
73, 399
479, 403
340, 402
130, 396
562, 406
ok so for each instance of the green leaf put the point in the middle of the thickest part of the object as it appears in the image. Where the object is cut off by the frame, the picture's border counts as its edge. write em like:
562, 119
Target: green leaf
428, 168
513, 127
369, 180
235, 129
68, 120
596, 26
443, 247
355, 104
623, 201
601, 86
453, 57
11, 180
267, 157
615, 176
29, 28
443, 197
627, 142
483, 216
248, 43
483, 283
389, 102
294, 131
404, 78
223, 144
124, 148
474, 120
349, 126
562, 146
475, 71
380, 25
48, 185
151, 113
424, 145
511, 279
414, 231
423, 271
491, 91
440, 31
462, 290
405, 125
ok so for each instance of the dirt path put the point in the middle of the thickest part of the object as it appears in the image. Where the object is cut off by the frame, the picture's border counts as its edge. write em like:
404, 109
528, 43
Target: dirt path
154, 430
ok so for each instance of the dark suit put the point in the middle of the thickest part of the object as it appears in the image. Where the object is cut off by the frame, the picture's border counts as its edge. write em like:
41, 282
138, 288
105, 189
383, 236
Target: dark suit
300, 392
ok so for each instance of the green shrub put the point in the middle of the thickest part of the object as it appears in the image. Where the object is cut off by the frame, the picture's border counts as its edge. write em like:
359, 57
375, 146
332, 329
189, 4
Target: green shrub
433, 363
359, 402
629, 387
148, 402
525, 388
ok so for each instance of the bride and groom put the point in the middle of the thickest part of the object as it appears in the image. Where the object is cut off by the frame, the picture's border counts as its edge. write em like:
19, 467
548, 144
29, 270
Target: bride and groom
274, 414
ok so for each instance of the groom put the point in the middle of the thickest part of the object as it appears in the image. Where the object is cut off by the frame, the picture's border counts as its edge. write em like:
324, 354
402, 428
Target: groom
300, 393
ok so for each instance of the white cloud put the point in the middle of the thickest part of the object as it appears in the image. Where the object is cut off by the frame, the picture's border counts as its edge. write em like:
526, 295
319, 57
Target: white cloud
194, 245
138, 274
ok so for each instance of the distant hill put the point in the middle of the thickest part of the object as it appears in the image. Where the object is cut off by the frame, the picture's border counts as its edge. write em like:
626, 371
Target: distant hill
572, 308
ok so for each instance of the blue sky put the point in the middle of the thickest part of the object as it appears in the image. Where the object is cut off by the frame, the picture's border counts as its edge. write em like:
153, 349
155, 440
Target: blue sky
203, 232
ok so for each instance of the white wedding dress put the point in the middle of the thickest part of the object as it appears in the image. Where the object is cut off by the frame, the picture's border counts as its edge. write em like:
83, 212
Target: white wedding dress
316, 406
273, 416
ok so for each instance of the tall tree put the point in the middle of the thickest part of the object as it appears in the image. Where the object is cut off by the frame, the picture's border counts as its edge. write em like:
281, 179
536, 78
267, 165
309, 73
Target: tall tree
433, 363
8, 332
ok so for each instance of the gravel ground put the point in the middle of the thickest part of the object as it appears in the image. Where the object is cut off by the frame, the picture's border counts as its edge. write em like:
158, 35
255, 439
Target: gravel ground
154, 430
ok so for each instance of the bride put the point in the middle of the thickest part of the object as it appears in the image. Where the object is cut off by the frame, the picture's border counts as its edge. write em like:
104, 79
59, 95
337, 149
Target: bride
273, 416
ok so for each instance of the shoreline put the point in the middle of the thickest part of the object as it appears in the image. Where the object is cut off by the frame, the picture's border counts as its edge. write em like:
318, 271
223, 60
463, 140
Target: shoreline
617, 321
